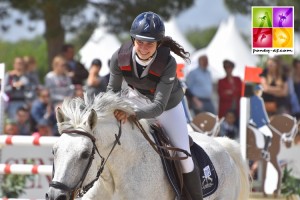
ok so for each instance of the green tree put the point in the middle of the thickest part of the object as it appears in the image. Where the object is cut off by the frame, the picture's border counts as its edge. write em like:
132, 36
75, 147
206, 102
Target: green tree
244, 7
200, 38
35, 47
61, 16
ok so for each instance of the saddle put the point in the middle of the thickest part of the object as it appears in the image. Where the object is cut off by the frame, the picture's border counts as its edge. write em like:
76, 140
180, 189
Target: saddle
259, 137
173, 170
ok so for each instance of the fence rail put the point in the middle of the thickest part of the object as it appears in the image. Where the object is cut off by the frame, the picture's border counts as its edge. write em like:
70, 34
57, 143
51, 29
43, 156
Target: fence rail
17, 140
25, 169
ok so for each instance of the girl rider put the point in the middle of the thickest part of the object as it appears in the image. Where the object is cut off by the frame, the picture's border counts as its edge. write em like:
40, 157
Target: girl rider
148, 67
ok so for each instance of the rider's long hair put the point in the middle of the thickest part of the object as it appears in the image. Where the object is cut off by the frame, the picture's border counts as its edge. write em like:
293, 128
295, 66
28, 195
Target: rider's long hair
175, 47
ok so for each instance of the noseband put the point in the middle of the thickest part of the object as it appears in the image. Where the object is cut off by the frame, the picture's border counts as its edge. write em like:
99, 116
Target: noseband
289, 136
82, 190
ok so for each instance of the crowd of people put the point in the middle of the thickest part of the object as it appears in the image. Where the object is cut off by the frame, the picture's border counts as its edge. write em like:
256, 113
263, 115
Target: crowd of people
280, 85
31, 102
31, 105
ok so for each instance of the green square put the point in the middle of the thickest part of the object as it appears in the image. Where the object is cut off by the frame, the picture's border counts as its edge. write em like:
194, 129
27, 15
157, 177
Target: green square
262, 17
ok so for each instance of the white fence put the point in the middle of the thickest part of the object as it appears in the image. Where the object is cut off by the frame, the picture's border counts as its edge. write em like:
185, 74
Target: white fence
27, 140
28, 155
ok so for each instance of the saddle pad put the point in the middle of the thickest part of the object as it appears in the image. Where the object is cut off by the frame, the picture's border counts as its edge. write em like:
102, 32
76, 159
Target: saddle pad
259, 138
208, 174
168, 165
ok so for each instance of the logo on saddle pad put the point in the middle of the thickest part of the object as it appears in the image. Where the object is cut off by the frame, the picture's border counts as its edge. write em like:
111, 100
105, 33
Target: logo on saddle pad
207, 180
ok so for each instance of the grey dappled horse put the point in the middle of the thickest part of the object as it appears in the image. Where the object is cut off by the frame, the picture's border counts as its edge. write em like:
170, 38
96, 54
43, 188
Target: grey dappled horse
133, 170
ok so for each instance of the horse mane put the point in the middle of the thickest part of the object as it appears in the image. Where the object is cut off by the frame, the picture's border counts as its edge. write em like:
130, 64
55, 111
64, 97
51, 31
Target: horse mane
77, 110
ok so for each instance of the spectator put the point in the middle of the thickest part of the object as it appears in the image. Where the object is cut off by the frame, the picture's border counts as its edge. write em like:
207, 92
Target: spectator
294, 86
23, 121
43, 129
59, 84
200, 87
229, 91
42, 109
95, 83
10, 127
228, 126
78, 91
76, 70
32, 74
17, 87
275, 88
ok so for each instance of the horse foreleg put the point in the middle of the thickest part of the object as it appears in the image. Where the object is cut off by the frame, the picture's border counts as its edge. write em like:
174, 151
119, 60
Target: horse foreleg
278, 169
264, 174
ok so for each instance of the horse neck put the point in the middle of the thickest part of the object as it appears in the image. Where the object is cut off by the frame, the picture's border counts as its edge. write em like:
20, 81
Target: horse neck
133, 144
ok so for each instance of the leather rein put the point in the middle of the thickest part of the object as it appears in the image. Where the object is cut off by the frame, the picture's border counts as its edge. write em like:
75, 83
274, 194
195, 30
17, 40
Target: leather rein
82, 190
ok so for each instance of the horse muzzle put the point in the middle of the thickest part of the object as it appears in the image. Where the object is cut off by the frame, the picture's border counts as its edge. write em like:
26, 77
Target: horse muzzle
57, 194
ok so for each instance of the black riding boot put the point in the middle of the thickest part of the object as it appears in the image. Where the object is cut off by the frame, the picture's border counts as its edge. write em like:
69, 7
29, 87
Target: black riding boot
192, 184
267, 142
265, 151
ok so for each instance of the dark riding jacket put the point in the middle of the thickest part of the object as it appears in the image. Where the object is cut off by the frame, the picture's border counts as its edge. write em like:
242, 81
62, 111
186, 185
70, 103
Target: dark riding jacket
158, 82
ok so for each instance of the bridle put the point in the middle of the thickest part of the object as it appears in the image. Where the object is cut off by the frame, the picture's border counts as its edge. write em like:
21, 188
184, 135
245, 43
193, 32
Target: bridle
77, 188
289, 136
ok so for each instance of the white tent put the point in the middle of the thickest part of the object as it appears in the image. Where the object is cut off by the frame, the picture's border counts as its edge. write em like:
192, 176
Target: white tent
101, 45
173, 31
226, 44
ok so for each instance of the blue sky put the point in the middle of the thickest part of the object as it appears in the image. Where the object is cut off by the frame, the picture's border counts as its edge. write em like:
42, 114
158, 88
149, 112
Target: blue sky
203, 14
206, 13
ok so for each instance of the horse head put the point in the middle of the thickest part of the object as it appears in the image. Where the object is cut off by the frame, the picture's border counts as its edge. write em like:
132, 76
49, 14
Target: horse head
286, 127
207, 123
85, 126
75, 147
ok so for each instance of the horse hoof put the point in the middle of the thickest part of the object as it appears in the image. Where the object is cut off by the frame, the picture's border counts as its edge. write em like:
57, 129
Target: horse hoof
265, 195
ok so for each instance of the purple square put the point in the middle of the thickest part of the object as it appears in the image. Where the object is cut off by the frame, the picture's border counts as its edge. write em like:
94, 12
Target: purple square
283, 16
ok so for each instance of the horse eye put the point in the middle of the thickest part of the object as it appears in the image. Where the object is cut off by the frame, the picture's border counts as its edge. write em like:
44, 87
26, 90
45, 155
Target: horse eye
85, 155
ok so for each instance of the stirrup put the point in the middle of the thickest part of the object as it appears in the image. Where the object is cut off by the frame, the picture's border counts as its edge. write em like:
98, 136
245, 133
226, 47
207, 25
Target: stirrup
266, 155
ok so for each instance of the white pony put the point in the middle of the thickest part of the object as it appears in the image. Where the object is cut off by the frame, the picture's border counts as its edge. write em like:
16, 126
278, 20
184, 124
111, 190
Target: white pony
133, 170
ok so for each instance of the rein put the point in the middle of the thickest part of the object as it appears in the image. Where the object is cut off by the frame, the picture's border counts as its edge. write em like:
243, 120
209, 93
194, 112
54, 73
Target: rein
83, 190
289, 136
158, 148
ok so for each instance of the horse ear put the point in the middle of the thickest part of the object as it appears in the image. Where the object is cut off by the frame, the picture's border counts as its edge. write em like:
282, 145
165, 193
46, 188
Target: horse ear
92, 120
60, 115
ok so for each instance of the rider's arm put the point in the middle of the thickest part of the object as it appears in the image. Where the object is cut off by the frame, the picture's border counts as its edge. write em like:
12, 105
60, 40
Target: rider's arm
116, 77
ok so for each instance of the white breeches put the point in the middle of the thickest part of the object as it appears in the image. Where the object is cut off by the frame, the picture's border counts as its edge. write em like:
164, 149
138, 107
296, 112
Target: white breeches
266, 131
173, 122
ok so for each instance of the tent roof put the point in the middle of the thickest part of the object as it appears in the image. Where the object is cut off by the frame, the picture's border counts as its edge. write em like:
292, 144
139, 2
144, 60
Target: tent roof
226, 44
101, 45
173, 31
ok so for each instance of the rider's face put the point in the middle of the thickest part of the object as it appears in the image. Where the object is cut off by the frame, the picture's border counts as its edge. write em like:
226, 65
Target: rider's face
145, 49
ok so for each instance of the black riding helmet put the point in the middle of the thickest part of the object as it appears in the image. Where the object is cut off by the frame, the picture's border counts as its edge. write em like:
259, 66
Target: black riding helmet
148, 26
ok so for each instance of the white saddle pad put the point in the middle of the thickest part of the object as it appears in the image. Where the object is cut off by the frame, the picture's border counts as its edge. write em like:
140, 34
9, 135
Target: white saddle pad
259, 138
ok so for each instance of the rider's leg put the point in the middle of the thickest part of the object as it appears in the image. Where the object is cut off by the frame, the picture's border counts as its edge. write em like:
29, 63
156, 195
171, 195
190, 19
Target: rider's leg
174, 123
265, 130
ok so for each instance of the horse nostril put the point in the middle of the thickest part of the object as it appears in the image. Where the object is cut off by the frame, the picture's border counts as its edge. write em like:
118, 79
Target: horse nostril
61, 197
47, 196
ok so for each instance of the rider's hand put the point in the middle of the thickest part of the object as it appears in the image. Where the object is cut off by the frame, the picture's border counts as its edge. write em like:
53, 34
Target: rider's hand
121, 115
